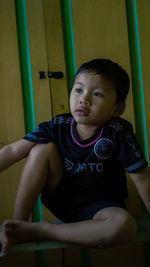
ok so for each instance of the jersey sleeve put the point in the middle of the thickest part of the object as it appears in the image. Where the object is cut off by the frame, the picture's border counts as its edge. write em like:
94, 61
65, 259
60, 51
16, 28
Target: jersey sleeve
43, 133
131, 155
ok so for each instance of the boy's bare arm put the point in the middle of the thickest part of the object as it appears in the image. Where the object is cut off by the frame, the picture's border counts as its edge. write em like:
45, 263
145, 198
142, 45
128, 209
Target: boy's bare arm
14, 152
142, 182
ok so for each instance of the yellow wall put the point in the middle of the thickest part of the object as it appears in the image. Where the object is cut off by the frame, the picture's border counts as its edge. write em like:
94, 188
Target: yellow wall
100, 30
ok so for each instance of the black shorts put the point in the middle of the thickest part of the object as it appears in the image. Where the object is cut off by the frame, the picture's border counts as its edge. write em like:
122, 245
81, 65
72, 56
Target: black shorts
69, 205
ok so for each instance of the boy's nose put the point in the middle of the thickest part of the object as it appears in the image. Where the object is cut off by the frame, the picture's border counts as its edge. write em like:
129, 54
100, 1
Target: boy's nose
84, 100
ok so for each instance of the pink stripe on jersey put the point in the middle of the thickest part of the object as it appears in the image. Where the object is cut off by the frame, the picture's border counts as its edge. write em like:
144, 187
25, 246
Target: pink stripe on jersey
91, 143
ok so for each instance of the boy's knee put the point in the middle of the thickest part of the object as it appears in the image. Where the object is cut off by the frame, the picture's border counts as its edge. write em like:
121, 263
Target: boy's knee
47, 154
124, 231
45, 151
120, 228
129, 227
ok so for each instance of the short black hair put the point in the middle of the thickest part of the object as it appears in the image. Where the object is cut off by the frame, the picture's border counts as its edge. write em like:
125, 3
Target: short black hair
112, 72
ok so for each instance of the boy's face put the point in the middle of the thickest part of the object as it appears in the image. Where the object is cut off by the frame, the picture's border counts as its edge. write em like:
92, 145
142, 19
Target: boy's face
93, 100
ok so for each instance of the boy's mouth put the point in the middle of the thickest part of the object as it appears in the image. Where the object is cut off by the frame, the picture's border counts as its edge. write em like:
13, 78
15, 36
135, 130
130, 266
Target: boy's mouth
82, 111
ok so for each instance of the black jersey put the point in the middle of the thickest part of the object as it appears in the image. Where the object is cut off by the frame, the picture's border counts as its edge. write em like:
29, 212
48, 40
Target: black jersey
94, 168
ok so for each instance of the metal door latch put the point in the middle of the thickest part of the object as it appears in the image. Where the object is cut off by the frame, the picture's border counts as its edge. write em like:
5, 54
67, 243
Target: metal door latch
51, 74
55, 75
42, 75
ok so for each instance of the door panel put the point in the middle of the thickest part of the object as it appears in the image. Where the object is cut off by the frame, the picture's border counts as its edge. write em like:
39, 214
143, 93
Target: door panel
100, 30
11, 109
55, 52
39, 62
11, 118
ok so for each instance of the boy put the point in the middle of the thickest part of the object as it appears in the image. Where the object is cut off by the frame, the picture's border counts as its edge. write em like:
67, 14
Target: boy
77, 162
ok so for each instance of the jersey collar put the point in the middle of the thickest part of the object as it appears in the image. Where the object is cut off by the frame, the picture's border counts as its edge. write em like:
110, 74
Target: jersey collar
85, 143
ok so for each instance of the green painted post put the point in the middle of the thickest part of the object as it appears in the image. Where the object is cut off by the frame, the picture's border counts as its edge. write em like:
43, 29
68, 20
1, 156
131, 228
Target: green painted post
27, 93
25, 66
137, 86
70, 63
136, 70
68, 40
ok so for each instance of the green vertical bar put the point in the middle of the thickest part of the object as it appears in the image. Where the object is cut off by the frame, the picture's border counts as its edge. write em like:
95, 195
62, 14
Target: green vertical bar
70, 62
137, 86
27, 91
136, 70
25, 66
69, 50
26, 79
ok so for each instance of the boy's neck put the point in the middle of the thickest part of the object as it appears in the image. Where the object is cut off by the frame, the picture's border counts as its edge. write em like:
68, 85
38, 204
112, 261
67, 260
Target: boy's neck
84, 131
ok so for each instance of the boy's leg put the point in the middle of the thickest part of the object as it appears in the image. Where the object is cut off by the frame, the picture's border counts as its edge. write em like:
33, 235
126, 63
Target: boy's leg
43, 166
109, 227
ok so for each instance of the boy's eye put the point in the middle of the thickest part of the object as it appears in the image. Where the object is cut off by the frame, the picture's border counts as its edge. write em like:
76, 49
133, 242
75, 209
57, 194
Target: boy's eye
97, 94
78, 90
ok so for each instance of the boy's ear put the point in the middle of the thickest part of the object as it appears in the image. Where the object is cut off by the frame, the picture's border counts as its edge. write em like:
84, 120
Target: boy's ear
120, 107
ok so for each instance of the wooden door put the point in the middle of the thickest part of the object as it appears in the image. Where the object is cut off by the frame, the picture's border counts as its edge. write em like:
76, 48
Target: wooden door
100, 30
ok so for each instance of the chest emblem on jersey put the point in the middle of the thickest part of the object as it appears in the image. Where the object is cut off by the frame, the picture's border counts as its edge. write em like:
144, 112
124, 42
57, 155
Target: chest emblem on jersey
103, 148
